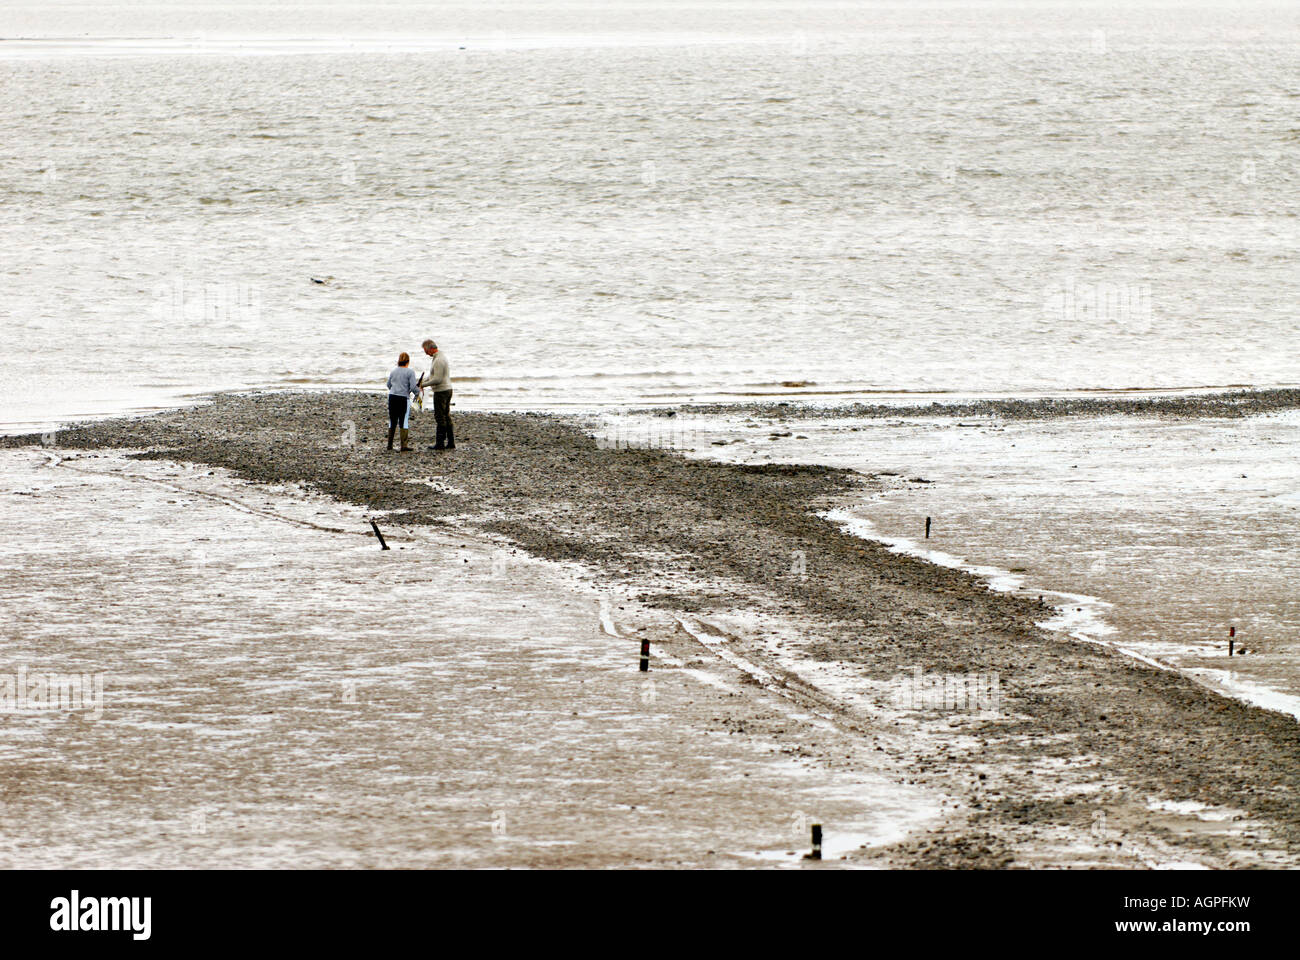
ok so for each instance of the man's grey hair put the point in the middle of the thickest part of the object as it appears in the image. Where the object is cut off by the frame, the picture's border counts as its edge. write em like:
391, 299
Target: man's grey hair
429, 343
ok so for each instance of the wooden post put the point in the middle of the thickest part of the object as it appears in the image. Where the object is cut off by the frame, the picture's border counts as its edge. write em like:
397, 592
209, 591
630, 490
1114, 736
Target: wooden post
927, 528
375, 527
645, 656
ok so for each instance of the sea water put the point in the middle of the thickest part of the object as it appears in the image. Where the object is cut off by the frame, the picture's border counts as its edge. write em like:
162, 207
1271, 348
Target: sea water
592, 203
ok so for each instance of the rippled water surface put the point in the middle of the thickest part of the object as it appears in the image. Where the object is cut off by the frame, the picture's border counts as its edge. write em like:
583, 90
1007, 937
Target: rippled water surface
608, 203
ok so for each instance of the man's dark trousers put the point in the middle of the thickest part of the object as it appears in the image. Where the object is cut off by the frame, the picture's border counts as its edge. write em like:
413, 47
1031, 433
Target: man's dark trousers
446, 440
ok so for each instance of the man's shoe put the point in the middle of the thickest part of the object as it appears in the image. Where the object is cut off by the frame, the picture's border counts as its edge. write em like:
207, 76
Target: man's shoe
450, 446
436, 447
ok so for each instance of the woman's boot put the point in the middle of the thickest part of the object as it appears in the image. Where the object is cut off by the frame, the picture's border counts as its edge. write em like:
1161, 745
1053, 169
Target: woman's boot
405, 448
391, 430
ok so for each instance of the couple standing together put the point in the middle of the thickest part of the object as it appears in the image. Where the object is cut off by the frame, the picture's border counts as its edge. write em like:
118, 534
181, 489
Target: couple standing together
402, 383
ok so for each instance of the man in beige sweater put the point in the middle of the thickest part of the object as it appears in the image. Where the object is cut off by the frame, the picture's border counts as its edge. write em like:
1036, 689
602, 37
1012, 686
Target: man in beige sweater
438, 379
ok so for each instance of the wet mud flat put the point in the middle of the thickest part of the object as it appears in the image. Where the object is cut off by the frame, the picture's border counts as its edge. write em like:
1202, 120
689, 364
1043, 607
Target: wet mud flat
269, 689
1090, 758
1218, 403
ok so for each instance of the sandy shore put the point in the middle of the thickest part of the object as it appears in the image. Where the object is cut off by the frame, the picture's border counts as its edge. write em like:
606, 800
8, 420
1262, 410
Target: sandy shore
1090, 759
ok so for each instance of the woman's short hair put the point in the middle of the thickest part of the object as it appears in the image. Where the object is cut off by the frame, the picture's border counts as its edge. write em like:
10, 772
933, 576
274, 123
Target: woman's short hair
403, 359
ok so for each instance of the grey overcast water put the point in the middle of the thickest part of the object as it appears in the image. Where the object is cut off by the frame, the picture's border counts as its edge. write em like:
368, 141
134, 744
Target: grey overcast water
603, 203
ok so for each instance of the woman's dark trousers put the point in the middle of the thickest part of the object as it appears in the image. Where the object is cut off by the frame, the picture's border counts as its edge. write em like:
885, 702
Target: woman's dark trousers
396, 414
